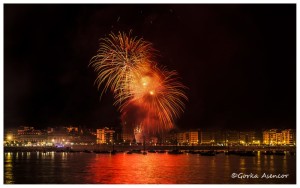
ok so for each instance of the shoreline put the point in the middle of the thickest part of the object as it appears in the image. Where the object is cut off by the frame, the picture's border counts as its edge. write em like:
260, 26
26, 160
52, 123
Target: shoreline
128, 148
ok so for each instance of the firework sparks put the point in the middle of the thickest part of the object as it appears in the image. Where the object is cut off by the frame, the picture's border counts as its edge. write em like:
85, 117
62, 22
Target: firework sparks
147, 96
118, 57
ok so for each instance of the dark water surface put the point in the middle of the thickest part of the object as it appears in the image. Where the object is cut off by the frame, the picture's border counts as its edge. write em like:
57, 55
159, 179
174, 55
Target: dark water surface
91, 168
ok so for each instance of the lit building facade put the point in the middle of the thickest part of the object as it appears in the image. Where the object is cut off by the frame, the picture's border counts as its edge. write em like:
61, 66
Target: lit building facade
289, 137
270, 137
28, 131
188, 137
31, 136
279, 137
10, 136
193, 137
105, 136
180, 137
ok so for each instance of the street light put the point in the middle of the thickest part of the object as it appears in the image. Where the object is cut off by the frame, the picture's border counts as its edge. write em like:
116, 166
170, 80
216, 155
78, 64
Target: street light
9, 137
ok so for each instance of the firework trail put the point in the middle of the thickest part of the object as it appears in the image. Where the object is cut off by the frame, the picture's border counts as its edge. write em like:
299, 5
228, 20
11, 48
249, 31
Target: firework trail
118, 59
148, 96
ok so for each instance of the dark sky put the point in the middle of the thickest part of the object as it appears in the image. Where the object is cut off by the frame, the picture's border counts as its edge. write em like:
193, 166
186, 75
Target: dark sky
239, 62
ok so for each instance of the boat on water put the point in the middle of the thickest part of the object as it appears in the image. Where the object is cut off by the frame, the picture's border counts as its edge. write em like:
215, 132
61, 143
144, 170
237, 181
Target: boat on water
192, 152
279, 152
241, 153
292, 153
87, 151
231, 152
246, 153
101, 152
208, 153
138, 151
175, 151
268, 152
73, 151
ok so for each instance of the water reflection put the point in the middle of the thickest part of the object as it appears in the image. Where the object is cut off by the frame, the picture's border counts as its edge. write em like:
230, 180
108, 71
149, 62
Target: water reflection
258, 163
8, 167
271, 161
284, 164
242, 164
51, 167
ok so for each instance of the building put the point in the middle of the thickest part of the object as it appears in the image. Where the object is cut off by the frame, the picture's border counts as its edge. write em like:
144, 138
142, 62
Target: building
72, 129
23, 130
232, 137
105, 136
60, 136
185, 138
33, 139
50, 130
288, 137
10, 137
169, 138
279, 137
247, 138
193, 137
270, 137
219, 138
127, 137
207, 137
30, 136
152, 140
10, 134
181, 138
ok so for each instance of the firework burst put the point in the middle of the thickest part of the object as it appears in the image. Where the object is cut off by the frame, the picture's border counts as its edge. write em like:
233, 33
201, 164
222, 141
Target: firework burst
117, 58
147, 95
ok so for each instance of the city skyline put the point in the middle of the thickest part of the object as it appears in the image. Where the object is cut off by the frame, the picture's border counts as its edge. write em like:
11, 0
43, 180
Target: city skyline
233, 76
70, 135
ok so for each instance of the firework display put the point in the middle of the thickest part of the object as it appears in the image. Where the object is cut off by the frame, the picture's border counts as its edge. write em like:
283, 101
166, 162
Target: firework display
147, 95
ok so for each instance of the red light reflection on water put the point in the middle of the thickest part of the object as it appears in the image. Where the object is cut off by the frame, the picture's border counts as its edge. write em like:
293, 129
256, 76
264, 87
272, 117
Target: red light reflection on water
181, 169
154, 168
137, 169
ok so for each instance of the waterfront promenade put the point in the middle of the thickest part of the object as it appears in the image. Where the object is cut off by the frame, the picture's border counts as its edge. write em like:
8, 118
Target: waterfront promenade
104, 147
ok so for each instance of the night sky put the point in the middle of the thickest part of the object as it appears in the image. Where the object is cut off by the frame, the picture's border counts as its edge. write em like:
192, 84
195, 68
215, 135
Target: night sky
238, 61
